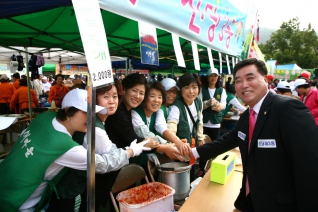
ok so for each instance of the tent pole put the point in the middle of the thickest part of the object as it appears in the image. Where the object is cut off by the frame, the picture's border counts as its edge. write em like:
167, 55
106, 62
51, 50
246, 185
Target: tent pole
28, 82
127, 61
91, 117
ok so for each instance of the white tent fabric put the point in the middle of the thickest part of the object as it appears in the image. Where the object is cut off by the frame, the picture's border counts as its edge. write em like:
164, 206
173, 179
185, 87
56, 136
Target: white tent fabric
50, 56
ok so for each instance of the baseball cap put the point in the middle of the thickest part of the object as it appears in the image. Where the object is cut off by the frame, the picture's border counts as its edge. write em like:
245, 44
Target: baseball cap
71, 76
299, 82
44, 77
283, 85
169, 83
271, 77
4, 77
305, 75
78, 98
212, 71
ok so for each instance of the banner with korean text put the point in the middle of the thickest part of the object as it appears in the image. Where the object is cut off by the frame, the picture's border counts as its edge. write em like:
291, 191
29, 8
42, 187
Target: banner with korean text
148, 44
218, 25
91, 27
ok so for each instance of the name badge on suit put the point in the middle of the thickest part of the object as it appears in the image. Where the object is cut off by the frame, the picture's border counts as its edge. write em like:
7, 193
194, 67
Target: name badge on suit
266, 143
241, 135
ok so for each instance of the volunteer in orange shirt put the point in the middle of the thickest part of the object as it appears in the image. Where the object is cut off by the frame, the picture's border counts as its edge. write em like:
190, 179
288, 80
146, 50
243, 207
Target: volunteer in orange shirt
6, 91
58, 91
16, 80
20, 97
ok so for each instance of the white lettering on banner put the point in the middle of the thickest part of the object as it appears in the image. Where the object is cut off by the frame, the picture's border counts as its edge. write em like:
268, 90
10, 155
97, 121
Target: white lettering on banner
26, 134
29, 152
26, 140
94, 40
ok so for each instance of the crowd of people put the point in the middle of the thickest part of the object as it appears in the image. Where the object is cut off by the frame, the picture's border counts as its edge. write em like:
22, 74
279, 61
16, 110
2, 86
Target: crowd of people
136, 116
14, 94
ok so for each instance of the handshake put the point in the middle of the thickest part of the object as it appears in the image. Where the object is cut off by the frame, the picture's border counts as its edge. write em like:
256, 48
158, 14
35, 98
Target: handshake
214, 104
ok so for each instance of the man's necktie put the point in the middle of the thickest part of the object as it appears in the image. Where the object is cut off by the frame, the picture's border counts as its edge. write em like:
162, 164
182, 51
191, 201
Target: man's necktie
251, 125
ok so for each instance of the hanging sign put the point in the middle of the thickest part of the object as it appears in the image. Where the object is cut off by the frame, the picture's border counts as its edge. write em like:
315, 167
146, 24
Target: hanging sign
92, 31
220, 60
228, 64
210, 58
218, 25
148, 44
195, 56
178, 50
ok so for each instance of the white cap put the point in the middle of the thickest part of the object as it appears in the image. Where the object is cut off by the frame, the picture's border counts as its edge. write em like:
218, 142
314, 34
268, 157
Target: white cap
78, 98
169, 83
4, 77
44, 77
212, 71
299, 82
283, 85
71, 76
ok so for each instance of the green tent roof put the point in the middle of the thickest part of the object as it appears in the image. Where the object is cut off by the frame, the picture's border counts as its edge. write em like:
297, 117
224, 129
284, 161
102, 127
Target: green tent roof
57, 28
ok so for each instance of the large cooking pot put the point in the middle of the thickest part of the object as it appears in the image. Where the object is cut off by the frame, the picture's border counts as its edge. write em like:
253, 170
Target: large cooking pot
175, 175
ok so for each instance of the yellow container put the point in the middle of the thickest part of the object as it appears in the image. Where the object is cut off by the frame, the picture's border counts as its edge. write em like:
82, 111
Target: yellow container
222, 167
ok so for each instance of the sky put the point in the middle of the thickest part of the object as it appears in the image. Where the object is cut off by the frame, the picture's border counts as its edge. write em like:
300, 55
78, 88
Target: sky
272, 13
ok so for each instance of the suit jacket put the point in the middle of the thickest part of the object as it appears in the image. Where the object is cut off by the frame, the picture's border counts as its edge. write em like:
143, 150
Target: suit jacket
283, 176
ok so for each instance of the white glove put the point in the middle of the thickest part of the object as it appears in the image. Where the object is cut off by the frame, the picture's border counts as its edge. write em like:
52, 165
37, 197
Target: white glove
138, 148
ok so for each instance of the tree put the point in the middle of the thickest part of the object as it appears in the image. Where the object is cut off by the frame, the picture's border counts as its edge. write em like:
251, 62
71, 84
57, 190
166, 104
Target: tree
289, 44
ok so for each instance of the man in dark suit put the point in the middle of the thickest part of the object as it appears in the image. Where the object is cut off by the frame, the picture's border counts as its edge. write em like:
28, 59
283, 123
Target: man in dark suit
280, 160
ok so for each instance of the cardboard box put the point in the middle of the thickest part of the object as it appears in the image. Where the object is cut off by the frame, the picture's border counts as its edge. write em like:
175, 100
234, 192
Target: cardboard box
222, 167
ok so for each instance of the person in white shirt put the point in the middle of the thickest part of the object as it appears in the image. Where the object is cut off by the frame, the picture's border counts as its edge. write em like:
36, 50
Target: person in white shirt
60, 151
37, 86
172, 90
185, 117
232, 101
149, 121
107, 97
46, 85
214, 102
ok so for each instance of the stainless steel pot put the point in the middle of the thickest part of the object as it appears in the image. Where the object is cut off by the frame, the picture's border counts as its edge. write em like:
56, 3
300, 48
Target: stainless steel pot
175, 175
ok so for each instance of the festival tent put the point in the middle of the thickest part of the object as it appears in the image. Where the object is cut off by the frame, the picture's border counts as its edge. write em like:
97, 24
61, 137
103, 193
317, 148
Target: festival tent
288, 67
291, 71
53, 25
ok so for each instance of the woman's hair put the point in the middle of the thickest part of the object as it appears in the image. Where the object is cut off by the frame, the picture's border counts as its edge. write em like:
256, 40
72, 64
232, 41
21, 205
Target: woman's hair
304, 86
158, 86
134, 79
187, 79
205, 82
58, 75
117, 84
23, 82
66, 112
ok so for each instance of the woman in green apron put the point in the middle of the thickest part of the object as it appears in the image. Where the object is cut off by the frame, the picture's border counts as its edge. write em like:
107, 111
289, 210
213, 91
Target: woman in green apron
37, 161
185, 117
149, 121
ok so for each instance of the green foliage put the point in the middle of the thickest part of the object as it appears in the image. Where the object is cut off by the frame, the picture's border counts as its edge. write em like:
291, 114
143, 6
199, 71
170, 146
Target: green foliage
289, 44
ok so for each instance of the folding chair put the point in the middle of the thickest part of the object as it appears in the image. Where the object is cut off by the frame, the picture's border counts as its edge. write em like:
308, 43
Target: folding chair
128, 176
152, 169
